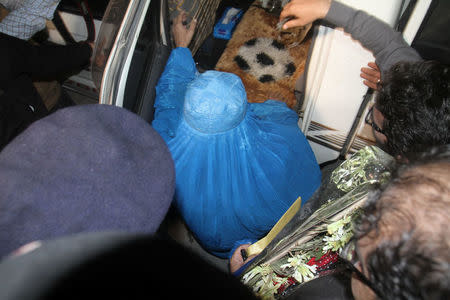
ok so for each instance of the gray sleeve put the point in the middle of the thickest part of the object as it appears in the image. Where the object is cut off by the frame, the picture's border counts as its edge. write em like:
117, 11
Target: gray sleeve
387, 45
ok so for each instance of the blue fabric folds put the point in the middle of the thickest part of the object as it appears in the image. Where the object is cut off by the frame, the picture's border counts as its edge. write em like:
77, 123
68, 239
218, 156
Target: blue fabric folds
239, 166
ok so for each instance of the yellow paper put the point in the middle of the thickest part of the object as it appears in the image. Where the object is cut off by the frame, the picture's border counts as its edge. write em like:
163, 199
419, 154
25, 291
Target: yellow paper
259, 246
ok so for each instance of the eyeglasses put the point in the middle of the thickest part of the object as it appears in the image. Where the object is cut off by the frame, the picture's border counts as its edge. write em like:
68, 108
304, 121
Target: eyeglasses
350, 257
369, 121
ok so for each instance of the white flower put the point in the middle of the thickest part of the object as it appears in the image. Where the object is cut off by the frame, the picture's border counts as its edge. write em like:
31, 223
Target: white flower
268, 286
259, 285
302, 271
339, 235
338, 225
264, 270
337, 241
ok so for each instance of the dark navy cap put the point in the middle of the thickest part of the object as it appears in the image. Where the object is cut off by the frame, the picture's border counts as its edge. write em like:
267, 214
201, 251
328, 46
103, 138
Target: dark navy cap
83, 169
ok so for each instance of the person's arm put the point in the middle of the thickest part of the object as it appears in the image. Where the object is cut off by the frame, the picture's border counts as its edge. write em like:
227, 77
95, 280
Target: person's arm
387, 45
180, 70
40, 62
180, 66
24, 20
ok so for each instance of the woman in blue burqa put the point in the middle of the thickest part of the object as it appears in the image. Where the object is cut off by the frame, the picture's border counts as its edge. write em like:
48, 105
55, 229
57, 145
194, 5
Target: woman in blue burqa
239, 166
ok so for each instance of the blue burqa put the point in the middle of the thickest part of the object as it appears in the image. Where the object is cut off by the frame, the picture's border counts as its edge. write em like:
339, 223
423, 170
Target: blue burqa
239, 166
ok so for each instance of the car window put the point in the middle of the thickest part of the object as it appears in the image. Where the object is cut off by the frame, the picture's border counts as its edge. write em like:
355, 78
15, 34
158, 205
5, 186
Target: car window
107, 35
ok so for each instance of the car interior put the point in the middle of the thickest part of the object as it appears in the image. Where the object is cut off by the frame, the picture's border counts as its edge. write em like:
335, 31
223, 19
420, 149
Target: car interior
133, 42
153, 45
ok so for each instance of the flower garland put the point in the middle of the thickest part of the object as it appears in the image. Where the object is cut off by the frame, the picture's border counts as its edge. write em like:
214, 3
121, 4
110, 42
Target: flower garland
313, 248
304, 264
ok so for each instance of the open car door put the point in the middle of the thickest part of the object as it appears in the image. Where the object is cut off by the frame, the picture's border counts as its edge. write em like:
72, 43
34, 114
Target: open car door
131, 51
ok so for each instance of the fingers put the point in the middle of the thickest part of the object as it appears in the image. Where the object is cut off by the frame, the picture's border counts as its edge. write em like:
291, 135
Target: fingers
373, 66
371, 75
183, 15
370, 80
371, 84
289, 11
304, 12
181, 31
181, 21
192, 26
294, 23
178, 19
286, 11
190, 29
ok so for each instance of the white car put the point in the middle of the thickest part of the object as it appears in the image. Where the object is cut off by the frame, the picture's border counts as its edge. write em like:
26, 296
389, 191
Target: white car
133, 44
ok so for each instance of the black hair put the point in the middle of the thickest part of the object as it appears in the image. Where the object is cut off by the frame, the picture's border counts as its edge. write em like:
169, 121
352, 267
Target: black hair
414, 99
408, 220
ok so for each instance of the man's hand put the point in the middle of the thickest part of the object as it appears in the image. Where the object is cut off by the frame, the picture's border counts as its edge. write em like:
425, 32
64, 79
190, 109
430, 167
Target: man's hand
182, 32
372, 75
304, 12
